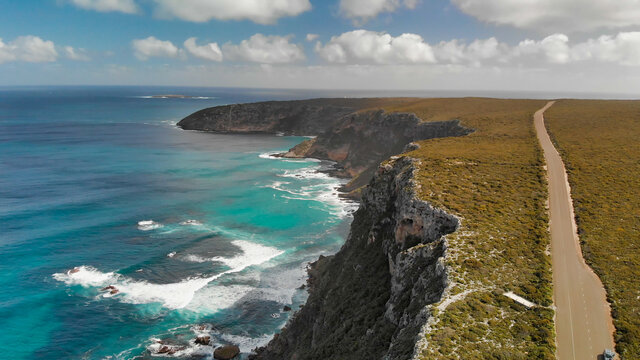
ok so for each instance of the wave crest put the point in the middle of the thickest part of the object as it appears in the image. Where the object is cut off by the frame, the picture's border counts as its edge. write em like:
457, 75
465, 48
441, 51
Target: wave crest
175, 295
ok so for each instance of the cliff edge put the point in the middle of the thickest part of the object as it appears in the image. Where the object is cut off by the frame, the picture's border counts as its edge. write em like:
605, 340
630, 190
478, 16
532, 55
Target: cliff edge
368, 301
345, 132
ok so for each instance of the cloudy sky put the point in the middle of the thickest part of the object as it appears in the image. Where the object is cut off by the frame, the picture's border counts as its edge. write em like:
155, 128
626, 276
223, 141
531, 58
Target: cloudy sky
533, 45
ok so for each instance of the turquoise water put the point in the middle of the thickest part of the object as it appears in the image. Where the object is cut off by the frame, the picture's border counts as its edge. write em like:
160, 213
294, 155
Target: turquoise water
199, 233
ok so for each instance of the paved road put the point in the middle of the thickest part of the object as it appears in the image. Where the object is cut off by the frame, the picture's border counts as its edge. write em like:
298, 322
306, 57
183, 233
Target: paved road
583, 318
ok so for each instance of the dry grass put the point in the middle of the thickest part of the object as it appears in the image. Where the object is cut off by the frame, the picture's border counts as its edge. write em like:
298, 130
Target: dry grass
599, 142
493, 179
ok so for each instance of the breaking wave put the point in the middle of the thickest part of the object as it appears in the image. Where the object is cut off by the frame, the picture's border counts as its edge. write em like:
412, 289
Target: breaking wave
174, 295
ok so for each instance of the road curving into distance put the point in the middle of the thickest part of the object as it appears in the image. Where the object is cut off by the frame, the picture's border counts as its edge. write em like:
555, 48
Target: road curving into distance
584, 327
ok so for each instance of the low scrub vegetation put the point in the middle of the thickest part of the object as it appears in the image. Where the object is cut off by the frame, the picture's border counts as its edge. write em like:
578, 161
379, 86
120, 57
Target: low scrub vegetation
599, 142
494, 181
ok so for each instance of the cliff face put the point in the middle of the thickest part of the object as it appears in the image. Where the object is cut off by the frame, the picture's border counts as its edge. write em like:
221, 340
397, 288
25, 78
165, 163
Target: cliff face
368, 300
301, 118
356, 140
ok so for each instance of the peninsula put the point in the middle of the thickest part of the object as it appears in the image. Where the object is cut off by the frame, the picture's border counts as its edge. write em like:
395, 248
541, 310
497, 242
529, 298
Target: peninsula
449, 252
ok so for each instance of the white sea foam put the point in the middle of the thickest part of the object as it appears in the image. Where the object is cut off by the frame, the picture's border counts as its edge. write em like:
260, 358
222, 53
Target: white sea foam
191, 222
246, 344
252, 254
86, 276
280, 295
191, 349
181, 351
171, 254
271, 156
321, 187
174, 295
217, 297
146, 225
309, 173
171, 123
174, 97
281, 287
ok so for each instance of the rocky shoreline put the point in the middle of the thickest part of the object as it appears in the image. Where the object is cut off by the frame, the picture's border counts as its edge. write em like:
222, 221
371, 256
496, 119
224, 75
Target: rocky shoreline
356, 139
370, 299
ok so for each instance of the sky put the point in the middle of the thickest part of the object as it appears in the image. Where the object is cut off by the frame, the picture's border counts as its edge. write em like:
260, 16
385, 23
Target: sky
495, 45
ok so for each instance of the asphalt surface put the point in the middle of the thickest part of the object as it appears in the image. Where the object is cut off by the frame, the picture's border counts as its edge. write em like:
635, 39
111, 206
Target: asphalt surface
584, 327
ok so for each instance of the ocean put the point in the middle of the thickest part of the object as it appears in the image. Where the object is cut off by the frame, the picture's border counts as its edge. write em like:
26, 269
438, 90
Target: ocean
199, 233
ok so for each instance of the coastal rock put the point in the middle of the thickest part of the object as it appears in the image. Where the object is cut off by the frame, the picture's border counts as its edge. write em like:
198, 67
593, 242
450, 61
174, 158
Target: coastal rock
411, 147
356, 140
369, 300
164, 349
203, 340
170, 350
286, 308
299, 151
226, 352
308, 117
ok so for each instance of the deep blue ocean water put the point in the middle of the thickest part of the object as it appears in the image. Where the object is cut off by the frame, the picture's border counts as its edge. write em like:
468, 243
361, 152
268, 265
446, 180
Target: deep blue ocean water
199, 233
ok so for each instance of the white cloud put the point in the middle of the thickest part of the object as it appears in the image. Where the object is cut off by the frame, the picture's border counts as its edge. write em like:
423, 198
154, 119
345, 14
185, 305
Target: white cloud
125, 6
312, 37
555, 15
210, 51
28, 48
554, 47
6, 53
480, 50
265, 50
73, 54
369, 47
362, 10
624, 49
152, 47
366, 47
259, 11
485, 49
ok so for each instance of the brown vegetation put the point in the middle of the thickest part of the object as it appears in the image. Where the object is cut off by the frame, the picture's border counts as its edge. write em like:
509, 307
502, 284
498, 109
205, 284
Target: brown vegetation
494, 181
598, 141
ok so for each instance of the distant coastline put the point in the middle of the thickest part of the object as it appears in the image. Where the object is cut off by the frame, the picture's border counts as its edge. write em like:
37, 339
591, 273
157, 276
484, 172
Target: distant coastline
171, 96
176, 96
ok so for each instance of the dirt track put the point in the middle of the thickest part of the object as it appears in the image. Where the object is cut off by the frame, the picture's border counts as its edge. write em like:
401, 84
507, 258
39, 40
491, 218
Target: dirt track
583, 318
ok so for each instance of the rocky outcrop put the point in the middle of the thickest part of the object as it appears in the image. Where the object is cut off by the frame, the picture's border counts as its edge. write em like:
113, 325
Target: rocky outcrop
203, 340
360, 141
368, 301
356, 140
226, 352
307, 117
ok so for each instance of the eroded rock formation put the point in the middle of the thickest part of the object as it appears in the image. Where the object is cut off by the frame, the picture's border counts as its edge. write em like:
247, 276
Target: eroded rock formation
357, 140
369, 300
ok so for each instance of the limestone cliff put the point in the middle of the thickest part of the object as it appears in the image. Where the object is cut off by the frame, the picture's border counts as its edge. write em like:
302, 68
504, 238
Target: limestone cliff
368, 301
355, 139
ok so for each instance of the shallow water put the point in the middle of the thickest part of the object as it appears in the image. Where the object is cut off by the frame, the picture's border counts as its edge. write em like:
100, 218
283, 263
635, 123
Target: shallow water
200, 233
